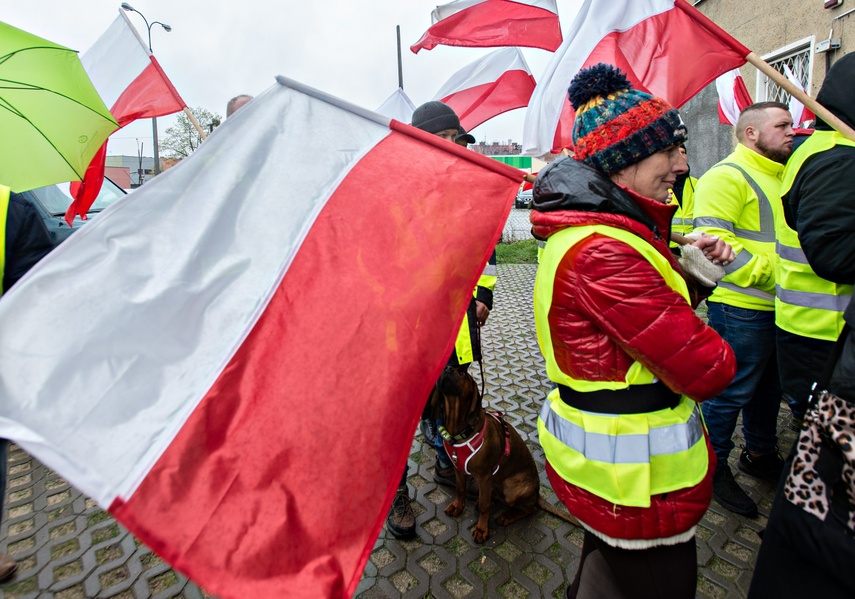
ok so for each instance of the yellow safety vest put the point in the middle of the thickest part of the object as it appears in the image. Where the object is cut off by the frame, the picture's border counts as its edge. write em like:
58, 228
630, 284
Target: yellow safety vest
463, 343
725, 207
623, 458
681, 222
806, 304
4, 211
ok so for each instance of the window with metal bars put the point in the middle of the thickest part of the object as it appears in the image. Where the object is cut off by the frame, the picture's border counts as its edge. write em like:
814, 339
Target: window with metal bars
798, 57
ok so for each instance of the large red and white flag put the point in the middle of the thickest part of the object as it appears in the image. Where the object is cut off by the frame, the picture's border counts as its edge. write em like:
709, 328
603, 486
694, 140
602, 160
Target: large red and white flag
499, 82
134, 86
799, 111
243, 390
398, 106
733, 97
665, 47
491, 23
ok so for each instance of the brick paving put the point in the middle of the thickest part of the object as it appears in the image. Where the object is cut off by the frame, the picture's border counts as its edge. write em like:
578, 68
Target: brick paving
69, 548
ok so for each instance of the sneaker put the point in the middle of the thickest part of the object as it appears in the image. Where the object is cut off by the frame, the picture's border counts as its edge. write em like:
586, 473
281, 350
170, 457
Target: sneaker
401, 520
730, 495
428, 428
445, 477
766, 467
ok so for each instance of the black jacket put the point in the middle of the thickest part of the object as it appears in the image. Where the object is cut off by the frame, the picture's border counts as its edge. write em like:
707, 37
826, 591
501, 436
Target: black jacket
820, 206
27, 240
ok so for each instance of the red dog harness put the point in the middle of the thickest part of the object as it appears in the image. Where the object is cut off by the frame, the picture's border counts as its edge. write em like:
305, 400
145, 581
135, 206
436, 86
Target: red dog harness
461, 453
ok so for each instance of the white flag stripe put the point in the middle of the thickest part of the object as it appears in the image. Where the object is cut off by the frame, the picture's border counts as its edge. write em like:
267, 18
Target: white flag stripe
485, 70
115, 59
398, 106
230, 261
593, 22
796, 106
725, 86
446, 10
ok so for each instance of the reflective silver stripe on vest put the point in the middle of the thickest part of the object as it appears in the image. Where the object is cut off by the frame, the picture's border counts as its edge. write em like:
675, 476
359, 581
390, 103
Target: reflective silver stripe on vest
490, 270
741, 260
767, 224
681, 221
790, 253
748, 291
623, 449
809, 299
541, 243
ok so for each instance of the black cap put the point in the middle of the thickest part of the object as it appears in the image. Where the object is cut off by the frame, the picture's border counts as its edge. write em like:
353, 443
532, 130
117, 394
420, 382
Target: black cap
434, 117
463, 136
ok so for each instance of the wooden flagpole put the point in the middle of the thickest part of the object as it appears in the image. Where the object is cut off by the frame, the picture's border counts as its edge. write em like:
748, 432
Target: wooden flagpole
817, 108
195, 123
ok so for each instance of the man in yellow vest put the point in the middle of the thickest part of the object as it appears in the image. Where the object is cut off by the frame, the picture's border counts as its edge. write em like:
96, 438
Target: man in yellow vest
811, 533
683, 196
738, 200
24, 240
812, 296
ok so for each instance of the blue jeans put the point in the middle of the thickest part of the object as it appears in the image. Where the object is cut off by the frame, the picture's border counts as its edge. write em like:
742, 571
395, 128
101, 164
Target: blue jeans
755, 390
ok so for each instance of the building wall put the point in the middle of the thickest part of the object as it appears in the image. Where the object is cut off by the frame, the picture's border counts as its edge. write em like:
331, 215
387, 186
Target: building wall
764, 26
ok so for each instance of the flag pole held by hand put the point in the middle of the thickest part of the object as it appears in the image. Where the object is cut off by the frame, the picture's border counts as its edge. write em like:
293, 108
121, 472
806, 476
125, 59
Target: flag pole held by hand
817, 108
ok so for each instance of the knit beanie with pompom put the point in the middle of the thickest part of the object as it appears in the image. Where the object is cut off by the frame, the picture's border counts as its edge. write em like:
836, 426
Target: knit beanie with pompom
617, 126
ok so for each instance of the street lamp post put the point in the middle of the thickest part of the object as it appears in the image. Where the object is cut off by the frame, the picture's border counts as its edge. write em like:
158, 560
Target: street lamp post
167, 28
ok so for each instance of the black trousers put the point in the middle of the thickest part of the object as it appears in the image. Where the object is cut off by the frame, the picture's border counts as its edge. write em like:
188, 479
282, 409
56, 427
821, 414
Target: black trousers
664, 572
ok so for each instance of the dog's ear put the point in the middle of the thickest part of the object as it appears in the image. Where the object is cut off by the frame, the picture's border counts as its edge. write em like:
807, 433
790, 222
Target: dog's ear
435, 403
475, 394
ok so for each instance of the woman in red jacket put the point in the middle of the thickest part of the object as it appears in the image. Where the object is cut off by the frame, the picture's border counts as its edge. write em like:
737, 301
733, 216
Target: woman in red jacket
626, 449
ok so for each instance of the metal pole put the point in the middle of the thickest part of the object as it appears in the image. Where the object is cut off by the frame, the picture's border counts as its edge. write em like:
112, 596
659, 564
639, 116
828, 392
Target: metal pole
156, 152
400, 66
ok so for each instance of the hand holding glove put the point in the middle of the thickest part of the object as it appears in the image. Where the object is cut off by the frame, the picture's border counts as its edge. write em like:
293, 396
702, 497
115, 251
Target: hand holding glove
703, 259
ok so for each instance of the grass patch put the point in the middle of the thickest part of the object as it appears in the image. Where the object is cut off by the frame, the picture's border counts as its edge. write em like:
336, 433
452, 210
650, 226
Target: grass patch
518, 252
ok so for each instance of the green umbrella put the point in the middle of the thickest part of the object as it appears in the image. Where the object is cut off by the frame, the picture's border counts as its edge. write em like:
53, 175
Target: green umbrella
52, 121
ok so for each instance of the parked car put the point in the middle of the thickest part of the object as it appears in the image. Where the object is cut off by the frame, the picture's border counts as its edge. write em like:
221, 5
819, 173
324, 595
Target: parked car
52, 202
524, 199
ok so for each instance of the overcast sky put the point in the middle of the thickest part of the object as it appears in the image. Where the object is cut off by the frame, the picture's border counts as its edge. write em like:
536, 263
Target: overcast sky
218, 49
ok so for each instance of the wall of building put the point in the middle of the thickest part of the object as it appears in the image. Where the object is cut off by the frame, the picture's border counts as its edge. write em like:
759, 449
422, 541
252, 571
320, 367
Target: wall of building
766, 27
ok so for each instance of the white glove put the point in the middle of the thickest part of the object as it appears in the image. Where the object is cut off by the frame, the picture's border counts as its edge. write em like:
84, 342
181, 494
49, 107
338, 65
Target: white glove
695, 264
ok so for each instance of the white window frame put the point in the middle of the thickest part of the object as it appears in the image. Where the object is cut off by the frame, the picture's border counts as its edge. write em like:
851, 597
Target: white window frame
792, 49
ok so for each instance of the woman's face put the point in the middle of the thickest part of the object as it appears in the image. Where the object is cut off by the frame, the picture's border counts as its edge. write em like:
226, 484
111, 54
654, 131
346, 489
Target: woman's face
654, 176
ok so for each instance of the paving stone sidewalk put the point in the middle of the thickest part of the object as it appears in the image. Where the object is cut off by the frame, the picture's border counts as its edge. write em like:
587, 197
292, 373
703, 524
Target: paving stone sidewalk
68, 548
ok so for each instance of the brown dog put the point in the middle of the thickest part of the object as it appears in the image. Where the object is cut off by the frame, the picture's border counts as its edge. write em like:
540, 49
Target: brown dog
484, 445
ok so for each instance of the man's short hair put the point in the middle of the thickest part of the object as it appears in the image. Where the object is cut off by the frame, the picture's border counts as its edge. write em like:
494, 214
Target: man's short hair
755, 115
236, 103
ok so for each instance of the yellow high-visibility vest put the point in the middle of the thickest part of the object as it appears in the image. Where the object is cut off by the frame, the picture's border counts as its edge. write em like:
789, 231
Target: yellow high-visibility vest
463, 343
805, 303
4, 211
623, 458
681, 222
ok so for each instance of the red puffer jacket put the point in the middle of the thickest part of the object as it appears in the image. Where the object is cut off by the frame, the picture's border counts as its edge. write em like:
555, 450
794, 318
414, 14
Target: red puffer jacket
611, 307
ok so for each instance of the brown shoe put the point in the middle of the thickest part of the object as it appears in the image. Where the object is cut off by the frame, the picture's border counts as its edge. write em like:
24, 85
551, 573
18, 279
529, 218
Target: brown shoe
8, 567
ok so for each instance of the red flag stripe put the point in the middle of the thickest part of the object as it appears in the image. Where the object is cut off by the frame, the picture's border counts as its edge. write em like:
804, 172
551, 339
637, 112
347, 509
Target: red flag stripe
478, 104
495, 23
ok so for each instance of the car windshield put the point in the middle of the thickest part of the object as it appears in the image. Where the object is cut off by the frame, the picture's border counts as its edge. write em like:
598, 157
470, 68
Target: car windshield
57, 198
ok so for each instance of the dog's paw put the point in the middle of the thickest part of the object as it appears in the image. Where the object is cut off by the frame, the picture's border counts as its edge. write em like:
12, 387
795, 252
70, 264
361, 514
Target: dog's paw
454, 509
479, 535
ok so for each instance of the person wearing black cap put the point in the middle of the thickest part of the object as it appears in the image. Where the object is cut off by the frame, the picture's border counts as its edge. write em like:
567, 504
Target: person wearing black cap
440, 120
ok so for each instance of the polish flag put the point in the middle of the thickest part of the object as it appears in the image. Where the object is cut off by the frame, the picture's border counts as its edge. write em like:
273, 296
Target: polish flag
666, 47
134, 86
733, 97
243, 391
800, 112
398, 106
497, 83
491, 23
